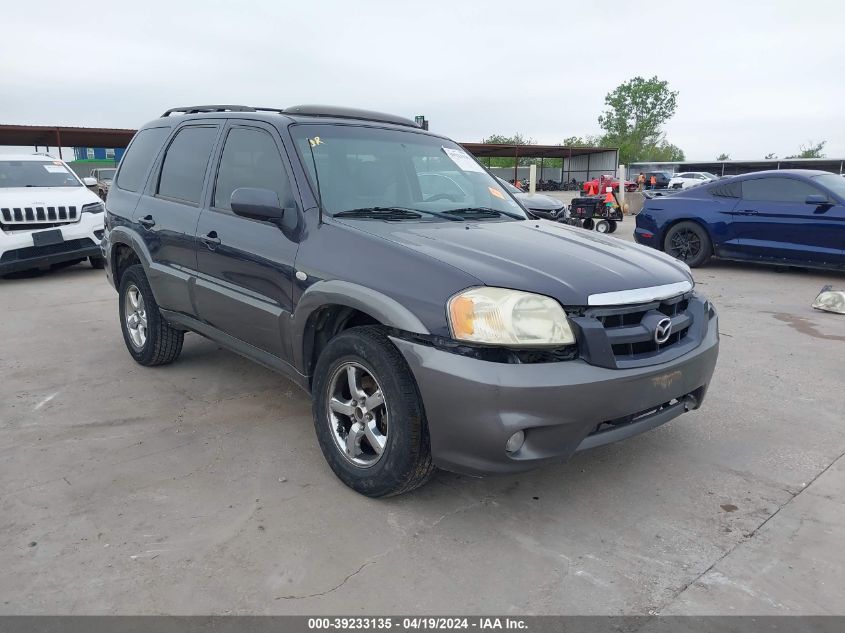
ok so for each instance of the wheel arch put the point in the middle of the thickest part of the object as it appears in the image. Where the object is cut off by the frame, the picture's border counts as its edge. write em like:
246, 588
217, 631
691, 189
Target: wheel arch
327, 308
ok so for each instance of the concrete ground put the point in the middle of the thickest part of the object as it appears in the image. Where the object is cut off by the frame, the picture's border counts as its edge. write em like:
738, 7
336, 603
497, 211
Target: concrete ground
199, 487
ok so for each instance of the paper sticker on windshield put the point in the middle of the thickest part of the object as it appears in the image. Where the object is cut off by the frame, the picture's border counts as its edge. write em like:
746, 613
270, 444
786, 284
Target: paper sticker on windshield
315, 141
55, 169
462, 159
496, 192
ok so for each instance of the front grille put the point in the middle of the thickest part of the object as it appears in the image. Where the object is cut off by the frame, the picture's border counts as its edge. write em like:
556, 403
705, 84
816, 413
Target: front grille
22, 218
625, 336
52, 249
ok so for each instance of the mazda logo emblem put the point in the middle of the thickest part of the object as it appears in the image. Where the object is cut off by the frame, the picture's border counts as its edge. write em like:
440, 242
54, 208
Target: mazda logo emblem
663, 331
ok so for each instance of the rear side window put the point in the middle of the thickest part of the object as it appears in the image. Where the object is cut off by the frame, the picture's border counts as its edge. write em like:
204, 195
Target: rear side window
777, 189
250, 159
136, 163
183, 168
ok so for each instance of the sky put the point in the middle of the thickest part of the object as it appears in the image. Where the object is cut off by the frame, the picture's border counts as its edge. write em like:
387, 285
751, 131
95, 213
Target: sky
753, 77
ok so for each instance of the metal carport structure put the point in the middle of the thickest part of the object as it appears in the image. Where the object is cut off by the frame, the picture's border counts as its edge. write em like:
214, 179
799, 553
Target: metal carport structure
576, 160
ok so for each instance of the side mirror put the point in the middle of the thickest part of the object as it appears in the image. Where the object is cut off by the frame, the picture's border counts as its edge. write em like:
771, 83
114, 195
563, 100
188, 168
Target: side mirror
817, 199
89, 182
258, 204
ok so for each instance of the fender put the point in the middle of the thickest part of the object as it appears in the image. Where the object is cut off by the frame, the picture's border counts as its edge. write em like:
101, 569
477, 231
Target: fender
386, 310
123, 235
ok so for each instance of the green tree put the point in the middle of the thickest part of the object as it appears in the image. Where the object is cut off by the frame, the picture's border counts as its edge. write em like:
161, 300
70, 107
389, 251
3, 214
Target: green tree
516, 139
723, 156
811, 149
634, 117
770, 156
663, 152
586, 141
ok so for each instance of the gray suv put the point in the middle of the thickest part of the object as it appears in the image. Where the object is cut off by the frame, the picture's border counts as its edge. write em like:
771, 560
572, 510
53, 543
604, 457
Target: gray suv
383, 270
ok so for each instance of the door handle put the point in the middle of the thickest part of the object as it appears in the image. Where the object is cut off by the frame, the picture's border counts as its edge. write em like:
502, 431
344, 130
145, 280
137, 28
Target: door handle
211, 240
147, 222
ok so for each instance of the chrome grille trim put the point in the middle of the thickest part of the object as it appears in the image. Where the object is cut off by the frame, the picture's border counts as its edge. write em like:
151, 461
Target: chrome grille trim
639, 295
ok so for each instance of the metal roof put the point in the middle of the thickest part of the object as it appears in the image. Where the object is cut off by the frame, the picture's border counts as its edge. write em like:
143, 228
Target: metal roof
54, 136
494, 150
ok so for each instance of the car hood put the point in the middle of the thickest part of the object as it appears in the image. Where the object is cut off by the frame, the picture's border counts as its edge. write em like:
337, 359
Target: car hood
540, 256
46, 196
539, 201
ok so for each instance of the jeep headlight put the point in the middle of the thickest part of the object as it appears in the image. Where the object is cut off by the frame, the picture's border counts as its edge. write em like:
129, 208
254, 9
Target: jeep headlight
500, 316
94, 207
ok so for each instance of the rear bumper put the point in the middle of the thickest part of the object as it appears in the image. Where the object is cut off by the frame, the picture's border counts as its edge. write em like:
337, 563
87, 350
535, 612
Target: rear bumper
474, 406
80, 240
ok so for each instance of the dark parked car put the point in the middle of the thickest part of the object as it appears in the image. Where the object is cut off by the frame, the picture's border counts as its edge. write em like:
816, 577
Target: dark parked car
540, 205
661, 179
785, 216
103, 176
433, 326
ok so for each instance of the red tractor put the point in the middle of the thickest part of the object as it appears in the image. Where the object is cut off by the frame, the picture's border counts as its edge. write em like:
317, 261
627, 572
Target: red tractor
599, 184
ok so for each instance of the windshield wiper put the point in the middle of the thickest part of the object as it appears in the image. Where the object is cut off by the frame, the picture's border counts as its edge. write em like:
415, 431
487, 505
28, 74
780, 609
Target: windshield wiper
381, 213
484, 212
390, 213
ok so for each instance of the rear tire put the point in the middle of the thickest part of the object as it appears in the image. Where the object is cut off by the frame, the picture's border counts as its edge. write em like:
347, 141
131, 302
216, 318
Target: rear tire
603, 226
613, 226
588, 224
688, 242
149, 338
389, 453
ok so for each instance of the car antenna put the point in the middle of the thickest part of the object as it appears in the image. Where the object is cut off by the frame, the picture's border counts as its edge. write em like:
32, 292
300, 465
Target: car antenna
311, 143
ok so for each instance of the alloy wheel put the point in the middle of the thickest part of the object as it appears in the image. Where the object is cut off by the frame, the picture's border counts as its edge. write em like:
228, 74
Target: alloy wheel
357, 414
135, 314
685, 245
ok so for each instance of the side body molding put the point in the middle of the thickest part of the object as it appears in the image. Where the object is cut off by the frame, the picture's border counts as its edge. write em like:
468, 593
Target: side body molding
334, 292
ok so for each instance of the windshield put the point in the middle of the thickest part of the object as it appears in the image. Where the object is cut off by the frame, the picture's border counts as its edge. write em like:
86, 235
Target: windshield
833, 182
35, 173
363, 168
711, 176
107, 174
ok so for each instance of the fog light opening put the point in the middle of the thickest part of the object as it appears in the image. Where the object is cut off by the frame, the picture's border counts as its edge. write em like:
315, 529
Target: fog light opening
515, 442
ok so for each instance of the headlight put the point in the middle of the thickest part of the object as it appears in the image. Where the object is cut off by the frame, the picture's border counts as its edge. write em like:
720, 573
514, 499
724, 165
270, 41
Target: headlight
500, 316
94, 207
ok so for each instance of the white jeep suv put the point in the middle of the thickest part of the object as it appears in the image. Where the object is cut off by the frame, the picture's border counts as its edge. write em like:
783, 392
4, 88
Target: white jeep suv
47, 215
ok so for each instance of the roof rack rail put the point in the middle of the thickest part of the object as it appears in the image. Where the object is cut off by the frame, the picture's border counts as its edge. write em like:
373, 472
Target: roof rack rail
218, 108
349, 113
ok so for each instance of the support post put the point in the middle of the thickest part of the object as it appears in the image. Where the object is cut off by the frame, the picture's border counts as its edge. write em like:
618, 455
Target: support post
59, 143
621, 193
532, 178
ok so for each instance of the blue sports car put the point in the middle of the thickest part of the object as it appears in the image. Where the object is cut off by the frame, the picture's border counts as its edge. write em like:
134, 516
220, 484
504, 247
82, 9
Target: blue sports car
789, 216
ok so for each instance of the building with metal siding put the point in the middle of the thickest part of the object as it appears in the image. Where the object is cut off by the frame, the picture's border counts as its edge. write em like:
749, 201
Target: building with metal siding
98, 153
737, 167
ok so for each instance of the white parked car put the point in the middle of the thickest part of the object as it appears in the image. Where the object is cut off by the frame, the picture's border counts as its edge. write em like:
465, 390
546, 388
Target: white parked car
48, 215
690, 179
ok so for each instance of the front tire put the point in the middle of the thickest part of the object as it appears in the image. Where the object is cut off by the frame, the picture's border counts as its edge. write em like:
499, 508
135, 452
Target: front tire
688, 242
368, 415
603, 226
588, 224
149, 338
97, 262
613, 226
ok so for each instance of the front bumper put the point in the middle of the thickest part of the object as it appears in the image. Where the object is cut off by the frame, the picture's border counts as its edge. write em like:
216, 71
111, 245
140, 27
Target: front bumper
474, 406
80, 240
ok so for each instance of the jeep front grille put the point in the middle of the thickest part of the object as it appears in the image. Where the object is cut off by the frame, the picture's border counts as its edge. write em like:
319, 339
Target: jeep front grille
25, 218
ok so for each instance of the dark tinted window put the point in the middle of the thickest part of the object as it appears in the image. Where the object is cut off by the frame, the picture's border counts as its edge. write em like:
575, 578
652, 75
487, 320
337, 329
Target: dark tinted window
183, 170
136, 162
777, 189
250, 159
727, 190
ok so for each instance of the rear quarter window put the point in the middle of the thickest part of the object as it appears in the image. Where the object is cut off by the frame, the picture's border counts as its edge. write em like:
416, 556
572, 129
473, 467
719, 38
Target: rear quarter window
139, 156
